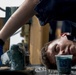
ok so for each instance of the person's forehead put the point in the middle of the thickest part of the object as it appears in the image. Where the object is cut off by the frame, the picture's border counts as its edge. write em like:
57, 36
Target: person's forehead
53, 43
56, 41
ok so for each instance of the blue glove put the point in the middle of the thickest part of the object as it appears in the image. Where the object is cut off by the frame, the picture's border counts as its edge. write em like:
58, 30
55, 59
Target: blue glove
1, 52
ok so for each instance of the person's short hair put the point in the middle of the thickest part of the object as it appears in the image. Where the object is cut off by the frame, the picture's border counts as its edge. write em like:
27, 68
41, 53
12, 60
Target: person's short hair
44, 58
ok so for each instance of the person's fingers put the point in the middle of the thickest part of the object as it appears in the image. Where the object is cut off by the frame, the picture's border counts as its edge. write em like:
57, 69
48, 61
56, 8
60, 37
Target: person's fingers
64, 34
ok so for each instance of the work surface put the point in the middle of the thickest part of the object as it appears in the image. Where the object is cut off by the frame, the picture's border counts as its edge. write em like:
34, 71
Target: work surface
36, 70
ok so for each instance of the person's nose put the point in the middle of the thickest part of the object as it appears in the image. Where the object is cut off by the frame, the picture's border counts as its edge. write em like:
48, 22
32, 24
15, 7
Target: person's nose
62, 52
67, 50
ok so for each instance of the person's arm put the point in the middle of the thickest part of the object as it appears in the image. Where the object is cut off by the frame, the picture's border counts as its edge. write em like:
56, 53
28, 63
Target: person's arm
21, 16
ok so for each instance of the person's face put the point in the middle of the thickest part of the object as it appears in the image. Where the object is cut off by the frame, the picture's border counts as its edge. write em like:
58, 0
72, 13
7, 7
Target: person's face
61, 46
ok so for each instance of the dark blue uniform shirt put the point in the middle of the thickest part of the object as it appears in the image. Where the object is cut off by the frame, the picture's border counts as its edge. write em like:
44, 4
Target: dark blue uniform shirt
56, 10
49, 10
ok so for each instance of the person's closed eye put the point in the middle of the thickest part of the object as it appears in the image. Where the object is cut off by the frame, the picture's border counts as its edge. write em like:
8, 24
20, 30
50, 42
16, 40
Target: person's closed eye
57, 49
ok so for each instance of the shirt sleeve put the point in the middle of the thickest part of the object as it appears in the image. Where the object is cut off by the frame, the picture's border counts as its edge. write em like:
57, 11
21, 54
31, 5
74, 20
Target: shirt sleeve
56, 10
43, 10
